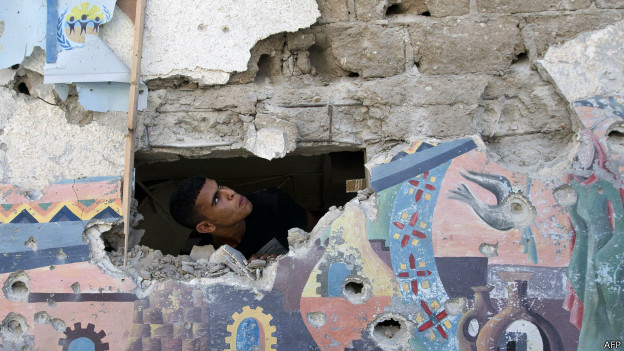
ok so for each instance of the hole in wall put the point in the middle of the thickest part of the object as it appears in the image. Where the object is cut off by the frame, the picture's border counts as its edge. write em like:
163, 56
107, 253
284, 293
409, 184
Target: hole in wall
22, 88
264, 70
615, 138
13, 328
19, 287
388, 331
15, 66
318, 61
409, 7
354, 74
315, 182
356, 290
521, 57
16, 286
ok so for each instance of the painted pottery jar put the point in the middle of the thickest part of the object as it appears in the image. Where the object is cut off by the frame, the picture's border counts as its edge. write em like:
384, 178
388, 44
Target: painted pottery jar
516, 326
475, 318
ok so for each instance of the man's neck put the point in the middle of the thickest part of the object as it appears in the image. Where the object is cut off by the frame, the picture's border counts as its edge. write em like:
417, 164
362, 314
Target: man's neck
231, 235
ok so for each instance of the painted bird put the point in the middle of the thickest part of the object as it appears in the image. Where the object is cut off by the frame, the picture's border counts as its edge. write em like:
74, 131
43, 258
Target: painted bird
512, 209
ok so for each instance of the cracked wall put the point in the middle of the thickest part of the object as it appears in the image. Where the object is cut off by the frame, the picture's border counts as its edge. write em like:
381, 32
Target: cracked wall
493, 136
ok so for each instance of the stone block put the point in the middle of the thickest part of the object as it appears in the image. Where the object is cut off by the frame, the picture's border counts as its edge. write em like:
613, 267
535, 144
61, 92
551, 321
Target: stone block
152, 316
542, 31
610, 4
370, 10
338, 93
350, 124
513, 6
443, 8
466, 46
162, 330
237, 98
333, 11
311, 122
370, 50
521, 103
140, 331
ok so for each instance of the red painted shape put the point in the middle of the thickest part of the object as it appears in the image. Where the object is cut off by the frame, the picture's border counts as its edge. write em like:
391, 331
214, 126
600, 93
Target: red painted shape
425, 307
404, 275
418, 194
441, 330
415, 287
425, 326
426, 174
399, 225
412, 221
423, 273
404, 241
610, 214
430, 187
419, 234
413, 182
412, 261
441, 315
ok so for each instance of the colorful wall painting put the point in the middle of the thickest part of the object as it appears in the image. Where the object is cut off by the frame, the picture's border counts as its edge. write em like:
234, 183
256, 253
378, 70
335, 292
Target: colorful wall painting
414, 264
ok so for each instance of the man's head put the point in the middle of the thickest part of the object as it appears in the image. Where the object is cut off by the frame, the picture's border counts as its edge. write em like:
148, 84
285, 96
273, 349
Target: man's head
202, 204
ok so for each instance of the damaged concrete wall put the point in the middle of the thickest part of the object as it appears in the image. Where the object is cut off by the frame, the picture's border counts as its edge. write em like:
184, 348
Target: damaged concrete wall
493, 135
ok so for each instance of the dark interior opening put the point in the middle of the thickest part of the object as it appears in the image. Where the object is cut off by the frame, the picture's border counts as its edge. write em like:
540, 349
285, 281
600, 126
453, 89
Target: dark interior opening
354, 288
314, 182
386, 329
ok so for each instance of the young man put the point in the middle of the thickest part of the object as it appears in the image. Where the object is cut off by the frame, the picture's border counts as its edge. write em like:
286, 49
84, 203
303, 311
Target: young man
219, 214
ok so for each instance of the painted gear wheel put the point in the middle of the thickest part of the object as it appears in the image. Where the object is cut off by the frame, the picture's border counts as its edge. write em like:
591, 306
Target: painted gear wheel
78, 333
261, 318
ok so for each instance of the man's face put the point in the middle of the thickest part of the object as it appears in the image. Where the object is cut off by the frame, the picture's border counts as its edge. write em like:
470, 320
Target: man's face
221, 206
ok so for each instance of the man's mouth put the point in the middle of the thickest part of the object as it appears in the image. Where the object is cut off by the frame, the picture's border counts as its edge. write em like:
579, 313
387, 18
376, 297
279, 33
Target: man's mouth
242, 200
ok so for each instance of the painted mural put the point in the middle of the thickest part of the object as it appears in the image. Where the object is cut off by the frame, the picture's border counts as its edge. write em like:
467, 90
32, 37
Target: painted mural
461, 254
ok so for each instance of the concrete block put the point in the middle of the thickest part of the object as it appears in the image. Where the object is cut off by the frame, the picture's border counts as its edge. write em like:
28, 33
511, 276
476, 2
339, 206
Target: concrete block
466, 46
512, 6
370, 50
199, 252
311, 122
370, 10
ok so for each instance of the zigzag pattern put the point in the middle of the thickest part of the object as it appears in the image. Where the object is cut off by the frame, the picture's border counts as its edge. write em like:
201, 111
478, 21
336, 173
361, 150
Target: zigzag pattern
45, 212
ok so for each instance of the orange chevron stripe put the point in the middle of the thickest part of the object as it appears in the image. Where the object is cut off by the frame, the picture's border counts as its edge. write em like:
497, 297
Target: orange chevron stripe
78, 209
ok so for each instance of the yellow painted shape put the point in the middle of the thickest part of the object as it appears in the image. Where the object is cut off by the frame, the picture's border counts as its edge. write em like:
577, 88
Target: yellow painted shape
421, 264
264, 319
435, 305
411, 191
414, 242
430, 335
404, 215
447, 324
405, 287
427, 196
432, 179
424, 284
396, 235
419, 318
403, 266
423, 225
73, 206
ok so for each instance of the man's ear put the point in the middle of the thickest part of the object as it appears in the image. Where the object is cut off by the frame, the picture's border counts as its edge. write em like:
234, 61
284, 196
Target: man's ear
205, 227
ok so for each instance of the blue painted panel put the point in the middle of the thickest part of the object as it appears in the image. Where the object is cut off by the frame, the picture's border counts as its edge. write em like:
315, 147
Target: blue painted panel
11, 262
48, 235
51, 52
102, 97
336, 274
81, 344
389, 174
24, 28
248, 335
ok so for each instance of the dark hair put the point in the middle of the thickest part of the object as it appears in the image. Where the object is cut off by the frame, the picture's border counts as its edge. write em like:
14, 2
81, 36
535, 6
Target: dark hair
182, 202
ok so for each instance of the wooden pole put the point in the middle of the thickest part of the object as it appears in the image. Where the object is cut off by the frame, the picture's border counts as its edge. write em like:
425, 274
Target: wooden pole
135, 76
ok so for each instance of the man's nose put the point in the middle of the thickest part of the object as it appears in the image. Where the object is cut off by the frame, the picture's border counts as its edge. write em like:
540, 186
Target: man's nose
229, 193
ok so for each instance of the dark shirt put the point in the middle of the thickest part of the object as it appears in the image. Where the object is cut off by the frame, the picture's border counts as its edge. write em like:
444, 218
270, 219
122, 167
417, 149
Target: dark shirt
273, 214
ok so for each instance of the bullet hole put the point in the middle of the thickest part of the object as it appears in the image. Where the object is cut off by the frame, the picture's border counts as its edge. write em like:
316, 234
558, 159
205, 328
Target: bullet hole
202, 27
13, 328
225, 29
1, 131
354, 74
16, 287
387, 331
61, 255
615, 138
22, 88
409, 7
15, 66
426, 14
516, 208
31, 243
4, 147
316, 319
356, 290
319, 61
76, 287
